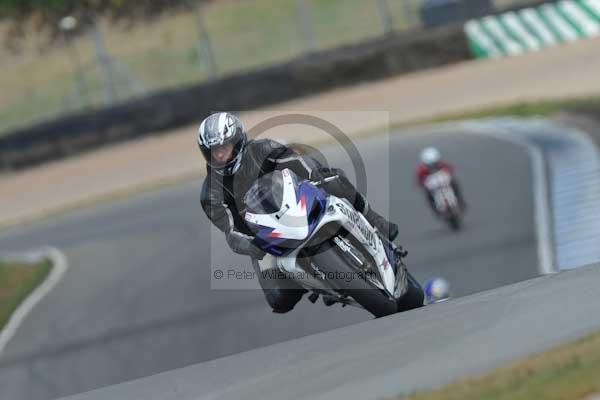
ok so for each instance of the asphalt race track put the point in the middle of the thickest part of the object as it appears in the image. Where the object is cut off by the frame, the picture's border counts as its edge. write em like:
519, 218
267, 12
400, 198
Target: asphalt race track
137, 301
392, 356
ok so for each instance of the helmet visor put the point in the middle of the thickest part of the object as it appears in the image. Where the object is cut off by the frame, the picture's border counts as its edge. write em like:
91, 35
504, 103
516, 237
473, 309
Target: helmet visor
220, 156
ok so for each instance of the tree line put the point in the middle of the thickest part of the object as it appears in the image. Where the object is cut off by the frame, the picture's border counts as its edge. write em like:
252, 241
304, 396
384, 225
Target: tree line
10, 9
44, 15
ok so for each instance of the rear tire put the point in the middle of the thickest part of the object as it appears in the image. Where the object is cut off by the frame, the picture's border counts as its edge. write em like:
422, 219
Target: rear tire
334, 266
455, 222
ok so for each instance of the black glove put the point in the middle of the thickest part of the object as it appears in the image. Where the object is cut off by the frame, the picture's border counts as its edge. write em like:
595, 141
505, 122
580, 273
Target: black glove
400, 252
243, 244
322, 173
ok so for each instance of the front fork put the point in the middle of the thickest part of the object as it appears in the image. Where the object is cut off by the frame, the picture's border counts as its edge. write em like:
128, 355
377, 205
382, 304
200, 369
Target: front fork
400, 271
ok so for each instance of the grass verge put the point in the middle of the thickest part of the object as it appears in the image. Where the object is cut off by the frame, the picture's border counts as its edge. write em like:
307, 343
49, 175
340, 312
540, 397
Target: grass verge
542, 108
567, 372
17, 281
164, 52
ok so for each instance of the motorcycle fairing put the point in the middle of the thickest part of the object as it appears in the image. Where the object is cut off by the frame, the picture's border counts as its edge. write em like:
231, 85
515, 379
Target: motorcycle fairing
284, 230
315, 208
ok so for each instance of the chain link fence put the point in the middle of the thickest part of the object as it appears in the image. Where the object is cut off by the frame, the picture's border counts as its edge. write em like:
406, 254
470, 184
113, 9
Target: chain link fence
112, 63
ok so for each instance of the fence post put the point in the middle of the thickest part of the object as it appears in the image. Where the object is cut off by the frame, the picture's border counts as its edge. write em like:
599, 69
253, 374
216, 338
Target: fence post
104, 63
410, 17
67, 25
386, 16
204, 42
305, 26
464, 10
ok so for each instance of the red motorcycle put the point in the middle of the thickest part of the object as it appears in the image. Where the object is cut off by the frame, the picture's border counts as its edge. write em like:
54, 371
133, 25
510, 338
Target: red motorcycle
445, 201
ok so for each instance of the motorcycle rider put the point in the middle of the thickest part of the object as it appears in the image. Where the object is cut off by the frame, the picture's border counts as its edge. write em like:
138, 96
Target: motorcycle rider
233, 163
431, 162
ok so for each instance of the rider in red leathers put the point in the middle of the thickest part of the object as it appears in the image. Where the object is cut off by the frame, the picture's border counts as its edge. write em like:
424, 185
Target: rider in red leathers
431, 162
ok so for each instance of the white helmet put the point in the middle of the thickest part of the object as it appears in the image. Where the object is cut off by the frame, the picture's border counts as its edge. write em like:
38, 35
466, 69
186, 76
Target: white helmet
217, 130
430, 156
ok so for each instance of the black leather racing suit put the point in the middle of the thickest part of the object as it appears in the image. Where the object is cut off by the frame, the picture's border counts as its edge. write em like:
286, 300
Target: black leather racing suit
222, 198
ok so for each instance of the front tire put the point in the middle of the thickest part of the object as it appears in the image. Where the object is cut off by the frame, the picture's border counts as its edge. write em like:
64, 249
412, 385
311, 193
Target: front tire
330, 262
414, 296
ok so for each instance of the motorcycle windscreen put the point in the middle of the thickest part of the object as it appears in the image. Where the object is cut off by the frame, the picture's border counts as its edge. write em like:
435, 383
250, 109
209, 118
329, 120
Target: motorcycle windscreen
265, 196
281, 212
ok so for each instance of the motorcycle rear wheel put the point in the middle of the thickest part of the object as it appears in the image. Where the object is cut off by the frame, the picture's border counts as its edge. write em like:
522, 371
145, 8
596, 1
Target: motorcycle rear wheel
455, 222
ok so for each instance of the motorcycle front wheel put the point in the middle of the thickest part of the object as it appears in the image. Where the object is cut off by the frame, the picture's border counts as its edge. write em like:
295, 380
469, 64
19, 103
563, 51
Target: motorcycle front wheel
348, 281
414, 296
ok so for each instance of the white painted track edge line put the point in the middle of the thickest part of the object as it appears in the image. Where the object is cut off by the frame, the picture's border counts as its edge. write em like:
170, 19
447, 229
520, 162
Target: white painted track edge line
59, 267
542, 213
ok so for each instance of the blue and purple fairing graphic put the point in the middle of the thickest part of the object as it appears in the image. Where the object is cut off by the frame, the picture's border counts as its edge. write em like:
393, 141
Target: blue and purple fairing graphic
315, 202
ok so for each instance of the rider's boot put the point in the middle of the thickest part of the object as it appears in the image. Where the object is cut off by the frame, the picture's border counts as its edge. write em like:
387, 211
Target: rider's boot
386, 228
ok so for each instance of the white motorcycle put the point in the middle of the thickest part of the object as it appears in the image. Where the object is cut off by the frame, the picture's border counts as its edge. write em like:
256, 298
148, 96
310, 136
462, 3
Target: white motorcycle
326, 246
447, 206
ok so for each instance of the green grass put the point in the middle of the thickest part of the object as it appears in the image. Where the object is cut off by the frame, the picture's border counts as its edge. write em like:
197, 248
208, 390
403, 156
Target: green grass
543, 108
17, 281
38, 84
570, 371
245, 34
